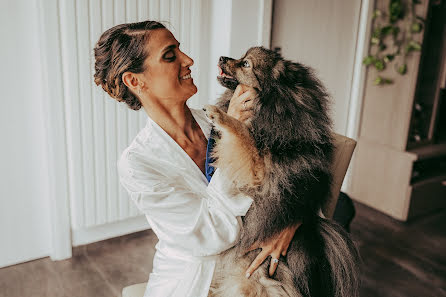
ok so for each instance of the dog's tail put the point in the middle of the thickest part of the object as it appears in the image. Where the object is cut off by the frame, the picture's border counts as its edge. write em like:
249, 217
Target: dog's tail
324, 260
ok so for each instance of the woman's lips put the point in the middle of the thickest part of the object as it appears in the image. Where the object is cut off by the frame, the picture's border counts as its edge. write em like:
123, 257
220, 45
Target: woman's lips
187, 76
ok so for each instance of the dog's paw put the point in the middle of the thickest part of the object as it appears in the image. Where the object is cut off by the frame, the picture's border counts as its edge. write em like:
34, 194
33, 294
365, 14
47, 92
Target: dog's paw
214, 113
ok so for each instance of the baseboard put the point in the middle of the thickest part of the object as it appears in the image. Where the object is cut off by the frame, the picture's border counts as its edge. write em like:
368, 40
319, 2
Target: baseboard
110, 230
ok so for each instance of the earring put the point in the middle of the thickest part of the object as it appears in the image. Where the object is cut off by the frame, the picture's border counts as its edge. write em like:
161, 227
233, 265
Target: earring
139, 91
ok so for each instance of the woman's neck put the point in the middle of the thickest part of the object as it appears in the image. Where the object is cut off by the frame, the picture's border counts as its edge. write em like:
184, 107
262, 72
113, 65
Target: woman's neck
174, 118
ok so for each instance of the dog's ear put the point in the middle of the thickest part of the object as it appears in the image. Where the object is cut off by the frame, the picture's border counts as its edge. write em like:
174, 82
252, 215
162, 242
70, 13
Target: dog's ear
271, 78
278, 69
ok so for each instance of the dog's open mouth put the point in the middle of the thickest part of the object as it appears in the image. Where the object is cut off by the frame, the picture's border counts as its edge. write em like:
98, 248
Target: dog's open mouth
226, 80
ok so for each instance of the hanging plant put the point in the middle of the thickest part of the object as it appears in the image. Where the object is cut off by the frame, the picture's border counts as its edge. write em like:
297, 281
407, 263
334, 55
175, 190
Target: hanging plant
392, 37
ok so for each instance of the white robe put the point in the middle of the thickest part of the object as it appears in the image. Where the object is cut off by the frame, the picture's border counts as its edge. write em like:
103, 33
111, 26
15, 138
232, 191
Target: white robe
194, 220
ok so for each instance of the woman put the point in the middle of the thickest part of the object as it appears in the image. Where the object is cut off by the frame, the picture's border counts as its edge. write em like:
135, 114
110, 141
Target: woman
163, 168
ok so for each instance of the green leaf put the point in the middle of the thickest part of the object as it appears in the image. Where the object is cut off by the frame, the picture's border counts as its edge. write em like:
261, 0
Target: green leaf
413, 46
416, 27
379, 65
379, 80
376, 13
368, 60
395, 11
377, 32
416, 1
387, 30
402, 69
374, 40
388, 58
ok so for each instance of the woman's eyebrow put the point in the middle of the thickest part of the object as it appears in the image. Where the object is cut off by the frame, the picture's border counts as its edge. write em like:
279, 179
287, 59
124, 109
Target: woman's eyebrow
169, 47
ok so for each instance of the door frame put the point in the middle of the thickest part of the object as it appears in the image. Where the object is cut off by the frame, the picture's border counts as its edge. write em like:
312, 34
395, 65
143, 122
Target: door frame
53, 107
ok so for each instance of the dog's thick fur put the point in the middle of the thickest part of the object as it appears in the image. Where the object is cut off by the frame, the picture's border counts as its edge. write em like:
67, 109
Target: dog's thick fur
282, 158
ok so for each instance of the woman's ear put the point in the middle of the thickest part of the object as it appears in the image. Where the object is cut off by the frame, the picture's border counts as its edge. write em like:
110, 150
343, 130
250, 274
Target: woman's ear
130, 80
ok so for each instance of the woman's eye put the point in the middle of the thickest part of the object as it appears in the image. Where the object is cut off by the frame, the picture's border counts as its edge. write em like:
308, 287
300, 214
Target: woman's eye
170, 56
246, 64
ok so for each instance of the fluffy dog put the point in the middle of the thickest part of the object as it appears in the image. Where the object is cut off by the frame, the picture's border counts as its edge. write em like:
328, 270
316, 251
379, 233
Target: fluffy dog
282, 158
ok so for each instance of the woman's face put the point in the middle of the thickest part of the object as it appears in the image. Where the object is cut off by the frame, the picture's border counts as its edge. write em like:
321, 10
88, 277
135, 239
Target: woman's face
167, 75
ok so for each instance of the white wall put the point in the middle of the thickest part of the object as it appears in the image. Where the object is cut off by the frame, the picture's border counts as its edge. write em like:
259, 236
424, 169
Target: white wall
323, 35
235, 26
24, 206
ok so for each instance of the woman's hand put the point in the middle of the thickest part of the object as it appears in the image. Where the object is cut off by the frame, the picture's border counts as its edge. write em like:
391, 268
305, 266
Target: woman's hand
241, 104
274, 247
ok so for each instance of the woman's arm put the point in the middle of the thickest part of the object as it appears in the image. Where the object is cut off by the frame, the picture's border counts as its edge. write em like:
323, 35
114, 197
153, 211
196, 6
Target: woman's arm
195, 220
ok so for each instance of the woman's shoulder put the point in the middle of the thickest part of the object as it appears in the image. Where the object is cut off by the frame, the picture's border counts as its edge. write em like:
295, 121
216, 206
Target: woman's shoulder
200, 116
136, 153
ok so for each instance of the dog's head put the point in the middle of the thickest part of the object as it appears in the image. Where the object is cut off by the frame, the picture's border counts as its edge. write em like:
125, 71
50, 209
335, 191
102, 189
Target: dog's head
273, 77
289, 94
249, 70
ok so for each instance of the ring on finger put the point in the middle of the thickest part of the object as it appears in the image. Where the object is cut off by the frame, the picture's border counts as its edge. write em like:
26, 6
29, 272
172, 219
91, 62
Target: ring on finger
275, 260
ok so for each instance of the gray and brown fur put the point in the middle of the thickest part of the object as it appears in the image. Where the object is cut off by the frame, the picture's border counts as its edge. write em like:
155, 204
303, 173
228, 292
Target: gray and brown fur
282, 158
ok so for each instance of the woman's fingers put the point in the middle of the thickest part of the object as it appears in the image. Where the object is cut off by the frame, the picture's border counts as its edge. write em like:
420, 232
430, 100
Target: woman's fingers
238, 90
277, 245
247, 105
274, 264
247, 96
256, 263
242, 93
284, 251
253, 247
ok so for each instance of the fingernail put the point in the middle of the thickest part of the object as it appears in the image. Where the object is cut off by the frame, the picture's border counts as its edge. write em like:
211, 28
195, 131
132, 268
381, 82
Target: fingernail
247, 275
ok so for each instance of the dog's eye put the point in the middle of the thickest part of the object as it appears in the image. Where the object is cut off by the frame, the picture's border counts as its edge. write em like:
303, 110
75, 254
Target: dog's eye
246, 64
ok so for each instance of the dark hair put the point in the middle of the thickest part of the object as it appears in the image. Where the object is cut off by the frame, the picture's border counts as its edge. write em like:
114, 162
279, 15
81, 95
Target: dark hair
120, 49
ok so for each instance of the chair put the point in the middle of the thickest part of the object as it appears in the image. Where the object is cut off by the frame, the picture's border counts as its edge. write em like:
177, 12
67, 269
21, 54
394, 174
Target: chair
343, 152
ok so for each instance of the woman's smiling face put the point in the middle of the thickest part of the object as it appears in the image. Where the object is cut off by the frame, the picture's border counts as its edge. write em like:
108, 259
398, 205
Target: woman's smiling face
167, 73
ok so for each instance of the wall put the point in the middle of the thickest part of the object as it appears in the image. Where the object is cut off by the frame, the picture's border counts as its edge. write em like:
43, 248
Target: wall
24, 205
234, 27
323, 35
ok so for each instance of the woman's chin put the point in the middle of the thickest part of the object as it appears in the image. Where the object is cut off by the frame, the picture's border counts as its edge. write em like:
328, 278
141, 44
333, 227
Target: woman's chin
192, 90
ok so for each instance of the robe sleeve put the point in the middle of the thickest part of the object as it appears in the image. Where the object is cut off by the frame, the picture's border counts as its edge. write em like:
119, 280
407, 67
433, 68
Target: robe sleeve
201, 221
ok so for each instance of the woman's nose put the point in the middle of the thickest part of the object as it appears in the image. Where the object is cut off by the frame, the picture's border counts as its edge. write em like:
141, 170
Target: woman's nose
187, 61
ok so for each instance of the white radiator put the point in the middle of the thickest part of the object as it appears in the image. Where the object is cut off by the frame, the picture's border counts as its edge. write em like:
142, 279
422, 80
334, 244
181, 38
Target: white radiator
98, 128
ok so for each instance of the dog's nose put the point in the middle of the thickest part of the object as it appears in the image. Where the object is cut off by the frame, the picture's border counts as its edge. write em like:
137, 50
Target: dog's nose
223, 59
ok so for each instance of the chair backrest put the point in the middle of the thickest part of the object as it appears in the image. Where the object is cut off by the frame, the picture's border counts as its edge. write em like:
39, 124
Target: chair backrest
343, 152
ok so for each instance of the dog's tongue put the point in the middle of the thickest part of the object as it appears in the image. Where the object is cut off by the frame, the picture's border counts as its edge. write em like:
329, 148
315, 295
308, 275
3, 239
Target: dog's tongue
220, 71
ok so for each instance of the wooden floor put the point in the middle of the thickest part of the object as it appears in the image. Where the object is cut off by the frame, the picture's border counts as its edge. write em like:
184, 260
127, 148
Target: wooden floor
398, 260
401, 259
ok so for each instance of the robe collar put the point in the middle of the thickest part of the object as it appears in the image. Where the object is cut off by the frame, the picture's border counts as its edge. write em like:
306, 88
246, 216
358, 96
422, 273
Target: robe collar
185, 161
